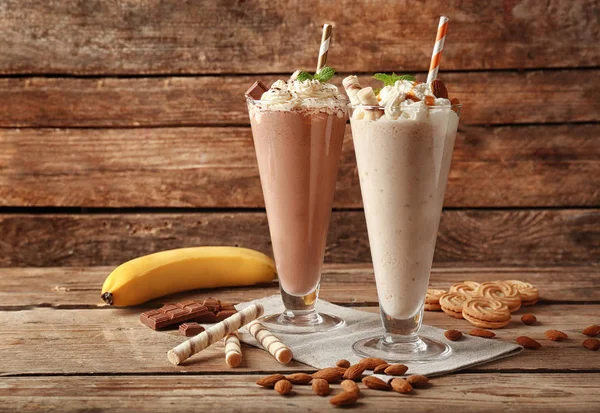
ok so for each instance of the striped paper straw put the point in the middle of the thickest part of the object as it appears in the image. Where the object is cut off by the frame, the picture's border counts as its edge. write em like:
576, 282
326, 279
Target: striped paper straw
437, 49
324, 47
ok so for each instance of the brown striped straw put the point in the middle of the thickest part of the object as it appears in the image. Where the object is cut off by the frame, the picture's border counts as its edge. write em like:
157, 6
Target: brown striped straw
436, 56
215, 333
324, 47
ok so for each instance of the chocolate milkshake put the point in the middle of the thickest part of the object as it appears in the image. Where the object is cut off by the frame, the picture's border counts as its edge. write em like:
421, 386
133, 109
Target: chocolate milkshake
298, 130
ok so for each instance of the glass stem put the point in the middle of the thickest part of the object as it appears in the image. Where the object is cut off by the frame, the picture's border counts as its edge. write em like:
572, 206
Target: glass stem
401, 330
300, 309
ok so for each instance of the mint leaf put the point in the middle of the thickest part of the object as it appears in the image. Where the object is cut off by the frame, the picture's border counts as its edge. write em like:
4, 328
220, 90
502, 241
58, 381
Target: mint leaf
377, 90
324, 74
410, 78
386, 79
302, 76
389, 80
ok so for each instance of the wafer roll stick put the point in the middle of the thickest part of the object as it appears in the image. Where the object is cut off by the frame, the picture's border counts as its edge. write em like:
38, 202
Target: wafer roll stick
270, 342
373, 114
367, 97
233, 349
215, 333
352, 86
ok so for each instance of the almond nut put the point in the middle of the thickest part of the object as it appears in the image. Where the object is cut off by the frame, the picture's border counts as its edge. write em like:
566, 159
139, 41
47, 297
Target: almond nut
344, 399
283, 387
373, 382
411, 96
556, 335
371, 362
342, 370
350, 385
396, 370
528, 343
321, 387
381, 368
331, 374
270, 381
528, 319
455, 102
439, 89
592, 331
401, 385
416, 380
480, 332
591, 344
299, 378
343, 363
354, 372
453, 335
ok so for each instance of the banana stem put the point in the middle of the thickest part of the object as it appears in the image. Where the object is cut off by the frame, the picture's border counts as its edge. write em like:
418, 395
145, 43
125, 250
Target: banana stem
107, 298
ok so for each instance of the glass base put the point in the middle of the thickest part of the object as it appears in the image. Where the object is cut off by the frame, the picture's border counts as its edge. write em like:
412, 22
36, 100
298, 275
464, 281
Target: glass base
415, 350
300, 316
290, 323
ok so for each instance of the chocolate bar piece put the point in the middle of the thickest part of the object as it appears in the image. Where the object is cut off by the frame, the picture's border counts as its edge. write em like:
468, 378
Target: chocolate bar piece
223, 314
171, 314
208, 311
190, 329
208, 318
212, 304
256, 90
227, 306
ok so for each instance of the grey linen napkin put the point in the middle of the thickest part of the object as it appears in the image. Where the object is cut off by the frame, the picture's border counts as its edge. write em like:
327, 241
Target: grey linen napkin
322, 350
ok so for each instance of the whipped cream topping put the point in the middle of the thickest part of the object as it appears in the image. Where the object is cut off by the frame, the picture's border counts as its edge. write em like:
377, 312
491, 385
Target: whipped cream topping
398, 94
409, 100
286, 95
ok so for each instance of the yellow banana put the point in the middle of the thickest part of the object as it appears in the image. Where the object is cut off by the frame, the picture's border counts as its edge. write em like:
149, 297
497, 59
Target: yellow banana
168, 272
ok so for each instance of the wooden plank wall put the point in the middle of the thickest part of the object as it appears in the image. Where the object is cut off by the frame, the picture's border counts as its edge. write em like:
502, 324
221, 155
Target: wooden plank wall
123, 128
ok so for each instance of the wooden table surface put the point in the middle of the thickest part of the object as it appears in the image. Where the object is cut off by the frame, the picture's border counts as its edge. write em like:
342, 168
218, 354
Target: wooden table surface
124, 132
62, 350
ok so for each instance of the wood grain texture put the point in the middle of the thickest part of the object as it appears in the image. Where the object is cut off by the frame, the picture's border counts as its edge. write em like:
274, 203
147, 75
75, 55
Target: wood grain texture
468, 393
105, 342
113, 341
216, 167
467, 237
129, 37
345, 284
488, 98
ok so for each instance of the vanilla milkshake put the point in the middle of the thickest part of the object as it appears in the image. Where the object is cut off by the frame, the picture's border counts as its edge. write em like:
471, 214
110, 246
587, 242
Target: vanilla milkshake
298, 129
403, 151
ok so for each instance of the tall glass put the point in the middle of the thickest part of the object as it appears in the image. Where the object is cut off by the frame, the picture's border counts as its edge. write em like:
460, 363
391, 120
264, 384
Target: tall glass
403, 168
298, 152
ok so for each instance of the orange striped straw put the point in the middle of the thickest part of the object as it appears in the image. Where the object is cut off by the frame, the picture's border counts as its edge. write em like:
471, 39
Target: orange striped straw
437, 49
324, 47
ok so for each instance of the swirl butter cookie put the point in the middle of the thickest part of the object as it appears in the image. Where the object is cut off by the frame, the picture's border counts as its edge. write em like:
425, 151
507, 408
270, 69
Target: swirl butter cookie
452, 304
432, 299
506, 293
529, 294
486, 313
466, 288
